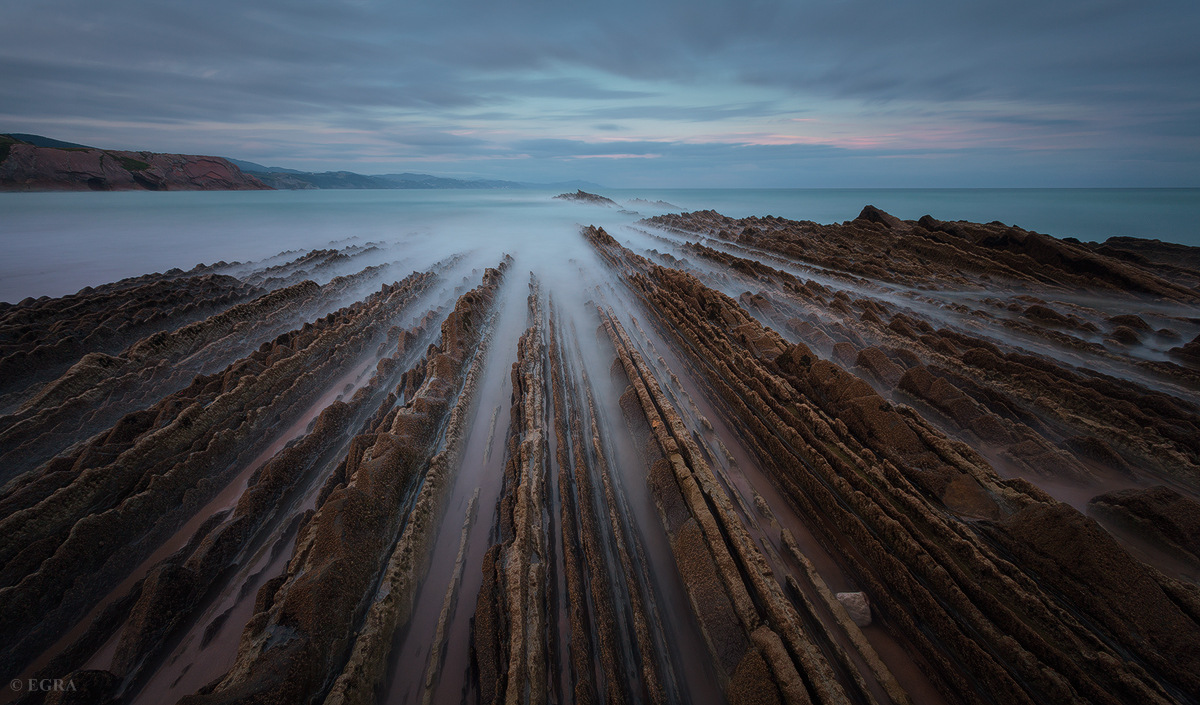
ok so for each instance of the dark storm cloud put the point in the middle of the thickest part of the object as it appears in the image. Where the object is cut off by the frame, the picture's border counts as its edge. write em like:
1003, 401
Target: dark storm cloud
462, 81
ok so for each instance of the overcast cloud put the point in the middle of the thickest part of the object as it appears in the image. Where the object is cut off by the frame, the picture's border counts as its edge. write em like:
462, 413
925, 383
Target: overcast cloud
826, 93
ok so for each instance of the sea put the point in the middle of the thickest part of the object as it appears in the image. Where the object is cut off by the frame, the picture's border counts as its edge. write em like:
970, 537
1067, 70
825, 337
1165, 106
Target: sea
54, 244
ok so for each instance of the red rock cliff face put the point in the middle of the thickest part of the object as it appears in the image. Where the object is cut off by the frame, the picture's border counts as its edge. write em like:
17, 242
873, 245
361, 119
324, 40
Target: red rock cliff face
30, 168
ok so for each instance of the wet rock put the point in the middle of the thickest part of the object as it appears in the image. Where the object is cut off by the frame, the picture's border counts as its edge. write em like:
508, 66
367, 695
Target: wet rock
905, 251
822, 434
871, 214
751, 683
43, 338
1159, 513
857, 606
166, 591
1098, 450
994, 589
582, 196
845, 354
1044, 314
84, 688
1130, 320
878, 365
725, 600
1126, 335
1188, 353
1075, 556
312, 622
129, 486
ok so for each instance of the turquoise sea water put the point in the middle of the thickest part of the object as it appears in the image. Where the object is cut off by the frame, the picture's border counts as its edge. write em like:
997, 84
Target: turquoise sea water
56, 243
1088, 214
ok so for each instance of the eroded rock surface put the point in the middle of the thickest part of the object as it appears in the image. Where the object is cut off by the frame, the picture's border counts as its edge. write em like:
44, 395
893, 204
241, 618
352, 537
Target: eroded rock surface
582, 196
704, 460
888, 493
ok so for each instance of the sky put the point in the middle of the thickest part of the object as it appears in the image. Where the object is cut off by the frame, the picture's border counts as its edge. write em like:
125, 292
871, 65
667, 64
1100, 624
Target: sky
750, 94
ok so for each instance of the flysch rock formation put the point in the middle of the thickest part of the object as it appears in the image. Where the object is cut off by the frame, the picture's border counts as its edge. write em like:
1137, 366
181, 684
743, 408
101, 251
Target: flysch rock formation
67, 407
857, 451
581, 196
135, 482
323, 613
704, 460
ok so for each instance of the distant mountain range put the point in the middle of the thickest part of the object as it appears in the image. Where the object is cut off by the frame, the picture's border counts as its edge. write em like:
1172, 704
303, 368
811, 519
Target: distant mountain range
280, 178
44, 163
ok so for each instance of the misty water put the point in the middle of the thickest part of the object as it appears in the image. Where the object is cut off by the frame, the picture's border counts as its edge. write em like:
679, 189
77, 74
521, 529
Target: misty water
56, 243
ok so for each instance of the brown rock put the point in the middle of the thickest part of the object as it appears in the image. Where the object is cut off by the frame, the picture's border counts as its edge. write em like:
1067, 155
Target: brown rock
857, 606
845, 354
877, 363
30, 168
1081, 561
1130, 320
1161, 514
82, 688
1126, 335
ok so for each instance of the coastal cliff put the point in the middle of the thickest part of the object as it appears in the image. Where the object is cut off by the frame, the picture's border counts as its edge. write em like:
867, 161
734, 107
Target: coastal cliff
27, 167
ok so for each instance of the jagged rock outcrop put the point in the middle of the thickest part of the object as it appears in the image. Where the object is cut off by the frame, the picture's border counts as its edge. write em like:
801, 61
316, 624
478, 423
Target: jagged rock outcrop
880, 487
1042, 415
87, 517
511, 628
751, 460
99, 389
581, 196
879, 245
310, 621
514, 643
41, 338
1163, 516
752, 631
